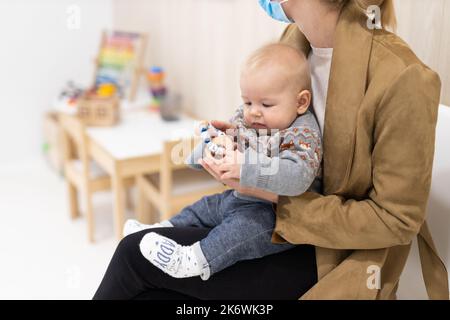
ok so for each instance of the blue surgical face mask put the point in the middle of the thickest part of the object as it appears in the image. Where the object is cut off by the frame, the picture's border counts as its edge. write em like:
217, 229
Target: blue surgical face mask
275, 10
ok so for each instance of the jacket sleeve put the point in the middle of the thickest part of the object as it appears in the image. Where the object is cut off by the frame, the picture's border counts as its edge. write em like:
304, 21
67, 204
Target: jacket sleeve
402, 158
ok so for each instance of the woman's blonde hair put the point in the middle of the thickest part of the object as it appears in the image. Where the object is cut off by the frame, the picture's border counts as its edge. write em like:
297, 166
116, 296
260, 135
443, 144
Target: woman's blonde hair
388, 17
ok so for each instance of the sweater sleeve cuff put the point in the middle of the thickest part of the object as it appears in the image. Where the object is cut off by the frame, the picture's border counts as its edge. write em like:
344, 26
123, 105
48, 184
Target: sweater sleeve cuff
251, 171
197, 154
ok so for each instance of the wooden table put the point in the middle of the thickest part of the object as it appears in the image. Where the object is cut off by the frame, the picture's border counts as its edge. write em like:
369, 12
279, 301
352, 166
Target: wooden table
133, 148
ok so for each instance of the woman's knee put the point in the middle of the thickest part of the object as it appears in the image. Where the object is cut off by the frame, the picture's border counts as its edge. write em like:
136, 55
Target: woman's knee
128, 247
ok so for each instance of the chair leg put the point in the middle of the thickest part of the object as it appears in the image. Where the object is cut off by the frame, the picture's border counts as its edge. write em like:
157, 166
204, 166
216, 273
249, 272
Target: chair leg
119, 200
146, 211
143, 204
129, 199
166, 213
152, 214
73, 201
141, 201
90, 217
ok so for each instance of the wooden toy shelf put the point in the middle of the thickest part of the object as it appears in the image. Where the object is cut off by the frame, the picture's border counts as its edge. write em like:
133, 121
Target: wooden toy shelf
98, 111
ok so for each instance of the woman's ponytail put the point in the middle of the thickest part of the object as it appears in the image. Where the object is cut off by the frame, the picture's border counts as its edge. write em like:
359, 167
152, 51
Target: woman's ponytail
388, 16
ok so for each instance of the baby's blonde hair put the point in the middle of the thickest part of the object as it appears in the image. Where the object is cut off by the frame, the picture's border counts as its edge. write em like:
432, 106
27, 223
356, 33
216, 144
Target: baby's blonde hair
293, 62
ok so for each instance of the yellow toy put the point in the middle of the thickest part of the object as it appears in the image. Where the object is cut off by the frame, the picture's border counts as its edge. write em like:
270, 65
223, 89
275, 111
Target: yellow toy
106, 90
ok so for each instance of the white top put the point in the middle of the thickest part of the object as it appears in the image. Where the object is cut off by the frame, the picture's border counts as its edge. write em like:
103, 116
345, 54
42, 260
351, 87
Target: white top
320, 65
140, 133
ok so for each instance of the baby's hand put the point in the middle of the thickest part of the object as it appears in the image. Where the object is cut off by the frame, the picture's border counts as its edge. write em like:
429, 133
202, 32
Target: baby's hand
231, 165
201, 125
220, 146
223, 126
207, 132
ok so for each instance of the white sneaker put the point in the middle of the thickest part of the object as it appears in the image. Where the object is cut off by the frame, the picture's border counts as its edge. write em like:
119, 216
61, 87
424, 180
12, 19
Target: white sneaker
133, 226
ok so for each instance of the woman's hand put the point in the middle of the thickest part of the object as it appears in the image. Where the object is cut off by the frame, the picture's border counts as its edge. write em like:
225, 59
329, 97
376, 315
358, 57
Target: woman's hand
229, 164
213, 166
221, 125
213, 169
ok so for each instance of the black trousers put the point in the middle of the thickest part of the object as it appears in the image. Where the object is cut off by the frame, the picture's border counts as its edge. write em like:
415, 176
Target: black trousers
282, 276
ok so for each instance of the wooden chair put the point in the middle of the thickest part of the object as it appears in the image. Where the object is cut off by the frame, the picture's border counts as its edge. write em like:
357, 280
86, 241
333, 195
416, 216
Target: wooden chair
175, 187
83, 176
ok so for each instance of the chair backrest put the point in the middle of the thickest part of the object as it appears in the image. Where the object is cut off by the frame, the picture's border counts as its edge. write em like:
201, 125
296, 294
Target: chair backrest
175, 152
73, 136
172, 159
73, 127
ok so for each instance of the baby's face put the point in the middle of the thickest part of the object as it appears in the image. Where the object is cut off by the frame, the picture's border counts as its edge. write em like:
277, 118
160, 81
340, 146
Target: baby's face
270, 101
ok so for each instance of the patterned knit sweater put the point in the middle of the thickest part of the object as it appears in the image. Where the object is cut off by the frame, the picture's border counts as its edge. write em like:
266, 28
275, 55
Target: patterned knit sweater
286, 162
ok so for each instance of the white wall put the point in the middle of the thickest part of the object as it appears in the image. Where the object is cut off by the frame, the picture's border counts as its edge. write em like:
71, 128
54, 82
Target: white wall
38, 54
425, 26
201, 44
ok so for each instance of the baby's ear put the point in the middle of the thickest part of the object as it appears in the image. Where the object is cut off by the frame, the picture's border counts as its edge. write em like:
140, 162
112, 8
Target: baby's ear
303, 101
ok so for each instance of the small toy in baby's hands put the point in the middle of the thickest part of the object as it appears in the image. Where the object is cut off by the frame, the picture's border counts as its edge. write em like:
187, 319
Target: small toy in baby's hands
216, 142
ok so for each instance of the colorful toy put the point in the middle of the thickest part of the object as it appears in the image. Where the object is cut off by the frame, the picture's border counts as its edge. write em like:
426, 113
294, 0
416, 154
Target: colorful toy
71, 93
106, 90
156, 75
120, 63
158, 90
215, 148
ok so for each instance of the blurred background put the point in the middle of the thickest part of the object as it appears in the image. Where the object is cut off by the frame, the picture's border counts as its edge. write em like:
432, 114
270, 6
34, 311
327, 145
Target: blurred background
92, 95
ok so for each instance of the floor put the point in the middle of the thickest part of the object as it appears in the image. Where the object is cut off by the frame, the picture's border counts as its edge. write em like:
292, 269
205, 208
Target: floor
46, 255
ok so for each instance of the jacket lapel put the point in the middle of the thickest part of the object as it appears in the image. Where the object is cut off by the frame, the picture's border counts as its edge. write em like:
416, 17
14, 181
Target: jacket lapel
346, 90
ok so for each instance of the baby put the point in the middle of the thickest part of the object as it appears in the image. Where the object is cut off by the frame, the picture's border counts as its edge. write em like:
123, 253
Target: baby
280, 151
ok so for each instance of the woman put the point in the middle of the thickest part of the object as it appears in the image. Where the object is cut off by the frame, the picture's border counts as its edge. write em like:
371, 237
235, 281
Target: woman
377, 105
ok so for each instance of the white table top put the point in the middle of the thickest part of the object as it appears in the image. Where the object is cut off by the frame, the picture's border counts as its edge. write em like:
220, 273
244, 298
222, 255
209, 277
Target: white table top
140, 133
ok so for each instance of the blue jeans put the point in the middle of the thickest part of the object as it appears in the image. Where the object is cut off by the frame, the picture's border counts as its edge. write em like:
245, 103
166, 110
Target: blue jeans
241, 229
